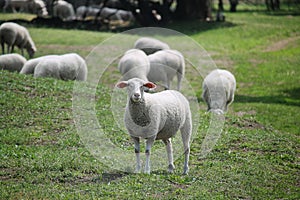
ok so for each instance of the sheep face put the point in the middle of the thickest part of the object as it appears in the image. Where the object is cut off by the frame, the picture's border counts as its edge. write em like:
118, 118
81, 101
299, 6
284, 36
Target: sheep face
136, 88
31, 51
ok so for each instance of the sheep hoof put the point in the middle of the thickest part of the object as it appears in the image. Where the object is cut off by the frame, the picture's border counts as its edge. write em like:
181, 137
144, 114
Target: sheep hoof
185, 171
171, 168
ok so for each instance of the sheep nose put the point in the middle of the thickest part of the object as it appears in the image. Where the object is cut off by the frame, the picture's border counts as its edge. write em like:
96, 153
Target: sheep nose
136, 95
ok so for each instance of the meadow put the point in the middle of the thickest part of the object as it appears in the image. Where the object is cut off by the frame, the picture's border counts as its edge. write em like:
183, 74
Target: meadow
257, 156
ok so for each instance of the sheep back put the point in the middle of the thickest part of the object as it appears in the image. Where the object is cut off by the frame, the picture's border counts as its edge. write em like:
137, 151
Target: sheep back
12, 62
150, 45
29, 66
164, 65
134, 64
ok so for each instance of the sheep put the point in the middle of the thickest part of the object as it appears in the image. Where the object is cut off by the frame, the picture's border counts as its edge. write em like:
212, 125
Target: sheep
150, 45
36, 6
12, 62
64, 10
29, 66
14, 34
164, 65
65, 67
218, 90
115, 14
22, 5
134, 64
84, 11
156, 116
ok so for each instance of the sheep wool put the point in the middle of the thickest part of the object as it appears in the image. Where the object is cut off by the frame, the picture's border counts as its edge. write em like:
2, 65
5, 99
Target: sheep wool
150, 45
164, 65
134, 64
65, 67
29, 66
156, 116
12, 62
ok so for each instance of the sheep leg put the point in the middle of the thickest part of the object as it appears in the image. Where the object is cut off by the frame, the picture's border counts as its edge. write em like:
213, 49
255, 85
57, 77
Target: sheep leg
186, 135
169, 148
2, 46
149, 144
137, 154
179, 78
8, 49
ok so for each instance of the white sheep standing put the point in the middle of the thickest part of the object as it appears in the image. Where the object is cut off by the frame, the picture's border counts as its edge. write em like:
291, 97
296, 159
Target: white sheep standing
156, 116
164, 65
65, 67
134, 64
150, 45
12, 62
64, 10
14, 34
218, 90
29, 66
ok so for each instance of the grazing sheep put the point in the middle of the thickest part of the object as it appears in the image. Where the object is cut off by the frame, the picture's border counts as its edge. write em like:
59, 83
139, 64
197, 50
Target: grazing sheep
64, 10
134, 64
156, 116
150, 45
29, 66
13, 34
12, 62
65, 67
164, 65
218, 90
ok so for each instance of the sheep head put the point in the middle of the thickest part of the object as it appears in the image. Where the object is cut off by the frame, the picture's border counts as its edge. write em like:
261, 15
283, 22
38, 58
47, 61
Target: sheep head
136, 88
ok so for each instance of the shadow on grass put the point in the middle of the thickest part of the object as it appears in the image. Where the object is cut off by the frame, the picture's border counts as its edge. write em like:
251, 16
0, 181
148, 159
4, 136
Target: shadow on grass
291, 98
197, 26
186, 27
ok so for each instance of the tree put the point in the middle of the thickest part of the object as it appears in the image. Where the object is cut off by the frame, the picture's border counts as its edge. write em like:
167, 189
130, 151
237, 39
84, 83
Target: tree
193, 9
153, 13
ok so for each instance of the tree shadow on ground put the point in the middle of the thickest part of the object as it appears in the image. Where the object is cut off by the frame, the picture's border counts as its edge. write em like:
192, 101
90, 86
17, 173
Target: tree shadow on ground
196, 26
186, 27
290, 98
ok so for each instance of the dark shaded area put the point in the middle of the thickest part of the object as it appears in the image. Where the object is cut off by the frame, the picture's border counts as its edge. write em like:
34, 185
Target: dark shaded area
191, 26
55, 22
197, 26
290, 98
108, 177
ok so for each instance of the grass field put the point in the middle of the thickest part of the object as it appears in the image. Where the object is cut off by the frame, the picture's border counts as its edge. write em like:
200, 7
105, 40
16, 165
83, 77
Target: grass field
256, 157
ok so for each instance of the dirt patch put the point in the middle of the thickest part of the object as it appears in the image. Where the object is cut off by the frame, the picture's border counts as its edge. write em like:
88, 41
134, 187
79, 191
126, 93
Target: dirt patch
281, 44
245, 120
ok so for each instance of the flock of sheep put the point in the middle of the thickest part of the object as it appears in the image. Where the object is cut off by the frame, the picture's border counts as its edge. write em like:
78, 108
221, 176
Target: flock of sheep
66, 12
148, 114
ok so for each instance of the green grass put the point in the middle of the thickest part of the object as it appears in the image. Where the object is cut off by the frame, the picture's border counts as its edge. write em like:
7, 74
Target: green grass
257, 156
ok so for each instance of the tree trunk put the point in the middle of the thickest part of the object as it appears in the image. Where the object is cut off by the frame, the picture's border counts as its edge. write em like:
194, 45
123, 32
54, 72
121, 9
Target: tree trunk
193, 9
233, 5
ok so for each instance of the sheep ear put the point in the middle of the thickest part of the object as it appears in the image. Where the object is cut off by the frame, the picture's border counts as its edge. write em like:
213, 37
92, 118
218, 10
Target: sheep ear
122, 84
150, 85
